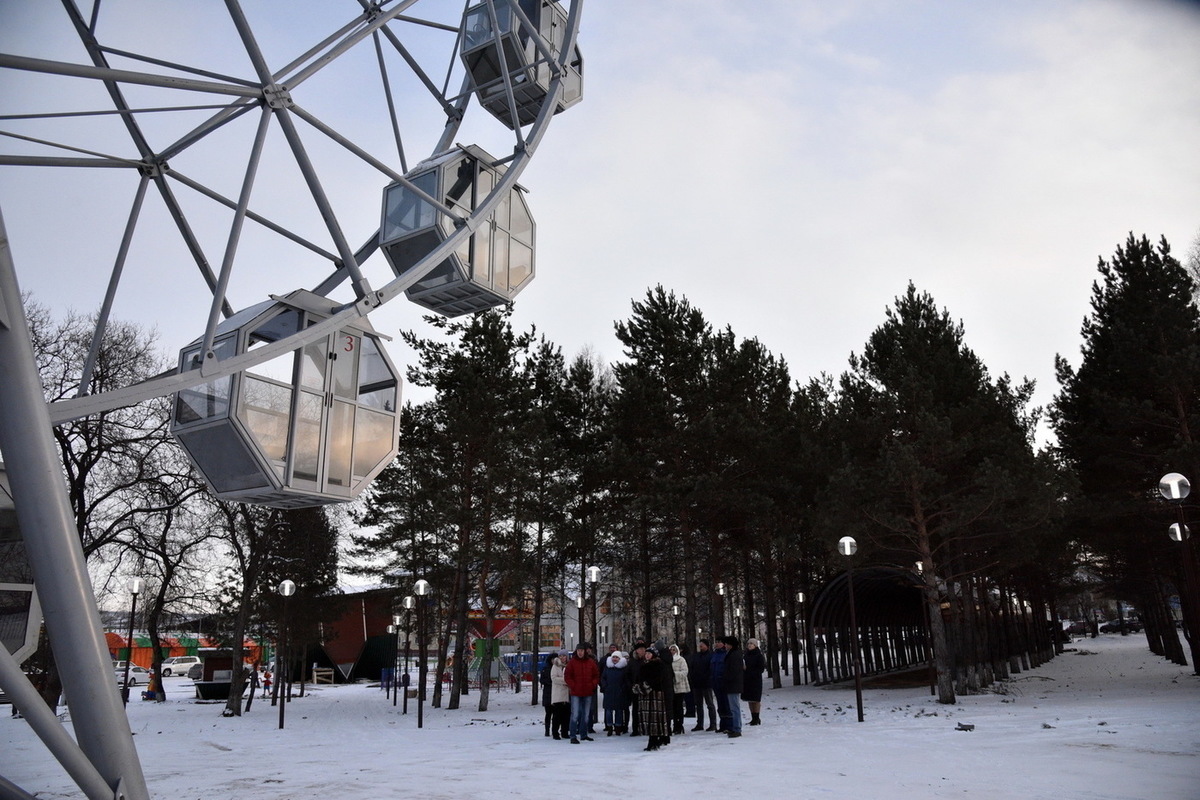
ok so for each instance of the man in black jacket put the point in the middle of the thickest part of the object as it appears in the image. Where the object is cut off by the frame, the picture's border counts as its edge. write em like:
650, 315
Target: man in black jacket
732, 683
699, 674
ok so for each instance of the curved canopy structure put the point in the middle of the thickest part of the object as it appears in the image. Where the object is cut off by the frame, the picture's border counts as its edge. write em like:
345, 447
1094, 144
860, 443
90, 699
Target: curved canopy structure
891, 633
883, 595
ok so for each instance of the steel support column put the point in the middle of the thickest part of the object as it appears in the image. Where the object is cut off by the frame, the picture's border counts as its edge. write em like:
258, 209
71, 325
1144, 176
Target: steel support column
55, 555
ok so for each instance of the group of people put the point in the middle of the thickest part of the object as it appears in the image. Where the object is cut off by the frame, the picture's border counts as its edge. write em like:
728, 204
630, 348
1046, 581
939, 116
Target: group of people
651, 690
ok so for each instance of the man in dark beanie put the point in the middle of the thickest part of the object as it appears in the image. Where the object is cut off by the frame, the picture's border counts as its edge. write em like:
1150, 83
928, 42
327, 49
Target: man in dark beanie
699, 674
732, 683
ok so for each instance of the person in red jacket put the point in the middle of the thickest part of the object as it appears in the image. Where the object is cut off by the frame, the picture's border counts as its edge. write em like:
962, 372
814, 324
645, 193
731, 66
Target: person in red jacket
582, 676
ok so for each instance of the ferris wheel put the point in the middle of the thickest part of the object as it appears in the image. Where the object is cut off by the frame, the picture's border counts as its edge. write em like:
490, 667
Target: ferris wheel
273, 174
259, 160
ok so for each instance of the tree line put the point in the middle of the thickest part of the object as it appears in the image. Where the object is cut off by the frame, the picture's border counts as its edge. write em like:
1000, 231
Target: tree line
699, 474
703, 477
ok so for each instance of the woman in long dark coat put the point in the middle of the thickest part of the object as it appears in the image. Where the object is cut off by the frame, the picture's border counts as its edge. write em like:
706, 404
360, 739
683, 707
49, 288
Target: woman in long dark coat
752, 686
651, 690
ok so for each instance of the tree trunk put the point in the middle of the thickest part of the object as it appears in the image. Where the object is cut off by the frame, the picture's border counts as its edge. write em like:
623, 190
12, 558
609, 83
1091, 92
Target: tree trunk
538, 593
233, 706
459, 672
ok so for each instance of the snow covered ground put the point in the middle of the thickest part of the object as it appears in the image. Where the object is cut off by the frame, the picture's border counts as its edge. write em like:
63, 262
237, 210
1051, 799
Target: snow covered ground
1106, 720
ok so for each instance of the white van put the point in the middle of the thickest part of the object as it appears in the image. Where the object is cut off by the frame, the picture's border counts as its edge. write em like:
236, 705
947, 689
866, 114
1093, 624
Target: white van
178, 665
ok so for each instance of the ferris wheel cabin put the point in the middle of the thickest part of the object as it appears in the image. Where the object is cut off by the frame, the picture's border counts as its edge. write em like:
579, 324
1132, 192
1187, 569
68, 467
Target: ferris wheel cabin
306, 428
491, 266
527, 53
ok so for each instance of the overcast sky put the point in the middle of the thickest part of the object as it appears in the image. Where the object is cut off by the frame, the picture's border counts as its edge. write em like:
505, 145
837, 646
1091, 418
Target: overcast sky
788, 166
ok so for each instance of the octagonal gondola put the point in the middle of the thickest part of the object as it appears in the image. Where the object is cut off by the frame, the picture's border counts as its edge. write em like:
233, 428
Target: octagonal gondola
524, 58
491, 266
306, 428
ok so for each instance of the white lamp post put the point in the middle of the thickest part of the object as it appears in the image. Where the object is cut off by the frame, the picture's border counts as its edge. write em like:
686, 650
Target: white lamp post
1176, 488
801, 642
422, 590
593, 579
135, 588
848, 547
409, 604
720, 629
286, 589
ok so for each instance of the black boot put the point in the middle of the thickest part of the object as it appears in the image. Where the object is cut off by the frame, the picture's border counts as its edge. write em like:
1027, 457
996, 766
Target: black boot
754, 719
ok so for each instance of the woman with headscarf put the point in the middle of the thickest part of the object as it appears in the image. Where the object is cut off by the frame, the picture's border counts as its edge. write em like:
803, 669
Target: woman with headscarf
651, 690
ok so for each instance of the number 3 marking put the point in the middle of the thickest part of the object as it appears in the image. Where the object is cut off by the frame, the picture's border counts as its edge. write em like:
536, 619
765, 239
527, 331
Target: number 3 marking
349, 348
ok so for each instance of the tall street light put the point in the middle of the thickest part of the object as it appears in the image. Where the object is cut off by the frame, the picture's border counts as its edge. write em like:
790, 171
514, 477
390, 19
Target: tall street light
135, 587
1176, 488
579, 613
410, 603
848, 547
396, 660
925, 612
423, 591
593, 579
779, 662
388, 681
801, 643
720, 630
286, 589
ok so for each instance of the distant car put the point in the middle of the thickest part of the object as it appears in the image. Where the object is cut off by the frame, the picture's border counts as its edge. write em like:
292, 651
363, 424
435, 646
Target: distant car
178, 665
1114, 626
1079, 626
137, 675
195, 671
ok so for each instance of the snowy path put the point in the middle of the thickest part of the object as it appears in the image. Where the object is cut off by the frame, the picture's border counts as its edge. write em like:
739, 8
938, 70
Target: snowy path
1105, 721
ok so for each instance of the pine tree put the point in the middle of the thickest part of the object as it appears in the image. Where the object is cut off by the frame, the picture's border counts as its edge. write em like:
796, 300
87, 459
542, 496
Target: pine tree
660, 450
475, 427
1127, 416
934, 448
